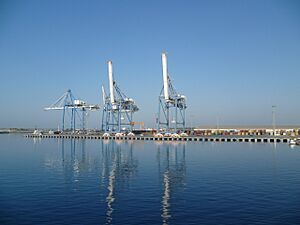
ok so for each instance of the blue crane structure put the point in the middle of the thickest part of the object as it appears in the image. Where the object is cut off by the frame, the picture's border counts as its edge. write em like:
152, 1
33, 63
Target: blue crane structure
170, 104
118, 109
73, 108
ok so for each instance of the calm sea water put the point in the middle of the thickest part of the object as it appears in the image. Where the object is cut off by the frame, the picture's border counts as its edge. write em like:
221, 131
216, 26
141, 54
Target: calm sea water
50, 181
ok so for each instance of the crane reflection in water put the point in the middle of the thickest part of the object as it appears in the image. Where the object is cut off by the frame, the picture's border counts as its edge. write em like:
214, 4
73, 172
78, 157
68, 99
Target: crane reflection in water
75, 160
118, 166
115, 164
172, 172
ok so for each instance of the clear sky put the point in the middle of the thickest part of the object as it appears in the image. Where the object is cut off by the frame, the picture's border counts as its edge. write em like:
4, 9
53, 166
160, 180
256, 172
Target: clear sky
232, 59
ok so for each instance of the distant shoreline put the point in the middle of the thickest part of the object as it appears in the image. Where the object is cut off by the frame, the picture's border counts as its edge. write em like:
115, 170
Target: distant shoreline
20, 130
204, 127
15, 130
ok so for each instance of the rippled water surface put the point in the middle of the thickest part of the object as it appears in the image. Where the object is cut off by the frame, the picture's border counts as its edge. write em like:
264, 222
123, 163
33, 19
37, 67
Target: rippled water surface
56, 181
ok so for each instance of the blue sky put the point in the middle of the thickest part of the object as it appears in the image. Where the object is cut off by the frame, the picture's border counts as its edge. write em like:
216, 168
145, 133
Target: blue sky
232, 59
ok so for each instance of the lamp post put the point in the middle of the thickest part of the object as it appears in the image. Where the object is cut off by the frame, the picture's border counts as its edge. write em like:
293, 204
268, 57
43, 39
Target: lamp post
274, 118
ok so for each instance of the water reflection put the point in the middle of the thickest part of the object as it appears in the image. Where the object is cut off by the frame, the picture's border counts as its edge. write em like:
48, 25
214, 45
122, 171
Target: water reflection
172, 172
115, 164
74, 160
118, 166
36, 142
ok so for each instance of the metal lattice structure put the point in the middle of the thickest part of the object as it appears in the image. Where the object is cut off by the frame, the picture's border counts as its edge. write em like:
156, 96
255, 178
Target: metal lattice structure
75, 109
118, 109
170, 104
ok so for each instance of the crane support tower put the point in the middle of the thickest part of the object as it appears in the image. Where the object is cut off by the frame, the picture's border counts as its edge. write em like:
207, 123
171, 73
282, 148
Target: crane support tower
118, 109
74, 108
171, 104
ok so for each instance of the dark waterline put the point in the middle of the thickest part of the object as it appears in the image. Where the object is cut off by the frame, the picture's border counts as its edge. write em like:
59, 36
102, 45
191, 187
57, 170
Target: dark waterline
57, 181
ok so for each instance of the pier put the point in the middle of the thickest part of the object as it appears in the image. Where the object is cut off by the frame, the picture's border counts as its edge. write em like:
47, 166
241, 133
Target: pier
254, 139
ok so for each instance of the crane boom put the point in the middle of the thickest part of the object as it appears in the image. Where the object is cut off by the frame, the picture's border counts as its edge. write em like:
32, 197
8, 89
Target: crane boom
165, 75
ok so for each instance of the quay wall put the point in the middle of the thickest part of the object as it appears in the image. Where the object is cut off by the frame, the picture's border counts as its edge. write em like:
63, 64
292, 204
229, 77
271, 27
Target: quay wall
253, 139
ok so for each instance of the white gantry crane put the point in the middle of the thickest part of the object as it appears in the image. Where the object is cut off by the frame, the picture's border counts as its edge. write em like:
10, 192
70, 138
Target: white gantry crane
171, 104
118, 109
73, 108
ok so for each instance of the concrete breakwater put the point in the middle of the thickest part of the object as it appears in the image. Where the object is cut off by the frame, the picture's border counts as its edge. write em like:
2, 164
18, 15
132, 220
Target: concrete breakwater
254, 139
